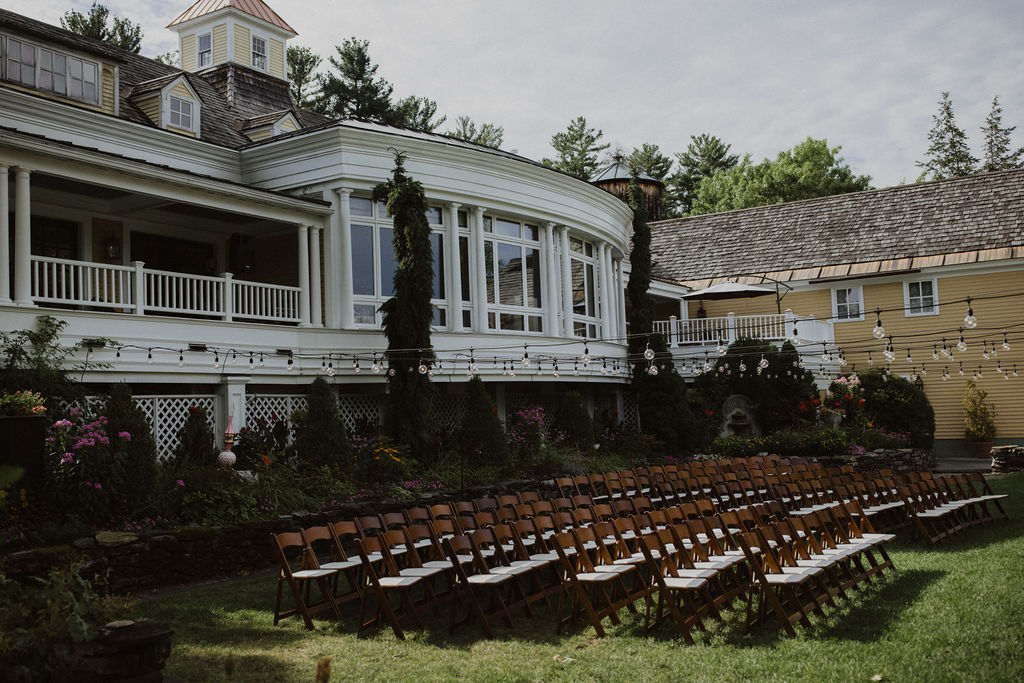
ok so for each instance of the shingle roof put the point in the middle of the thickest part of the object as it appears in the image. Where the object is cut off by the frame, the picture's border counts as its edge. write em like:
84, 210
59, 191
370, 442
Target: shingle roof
254, 8
897, 227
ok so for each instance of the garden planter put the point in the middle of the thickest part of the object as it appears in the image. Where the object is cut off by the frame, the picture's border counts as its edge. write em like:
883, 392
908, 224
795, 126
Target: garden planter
982, 449
23, 444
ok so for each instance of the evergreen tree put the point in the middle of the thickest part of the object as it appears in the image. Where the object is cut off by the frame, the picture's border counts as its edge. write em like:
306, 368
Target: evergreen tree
195, 442
415, 113
705, 156
482, 438
660, 393
302, 66
355, 91
121, 33
407, 315
170, 58
948, 155
574, 421
320, 434
998, 155
486, 134
139, 470
577, 149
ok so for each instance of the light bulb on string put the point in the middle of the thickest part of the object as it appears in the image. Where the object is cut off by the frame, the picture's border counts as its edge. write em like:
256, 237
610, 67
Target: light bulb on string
323, 364
234, 359
763, 363
961, 345
909, 359
261, 359
504, 368
526, 357
961, 369
376, 366
979, 372
924, 370
290, 363
970, 322
540, 368
330, 365
842, 359
945, 349
511, 369
945, 374
575, 369
252, 360
721, 368
604, 366
871, 362
554, 368
216, 359
652, 370
118, 356
1006, 342
422, 367
648, 352
935, 351
824, 354
743, 366
721, 348
984, 350
181, 359
355, 365
586, 353
1014, 369
391, 372
879, 331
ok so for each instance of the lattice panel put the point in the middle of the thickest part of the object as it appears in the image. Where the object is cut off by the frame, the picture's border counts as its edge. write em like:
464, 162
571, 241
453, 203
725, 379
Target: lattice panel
89, 405
448, 410
358, 408
167, 415
272, 407
604, 405
630, 413
517, 402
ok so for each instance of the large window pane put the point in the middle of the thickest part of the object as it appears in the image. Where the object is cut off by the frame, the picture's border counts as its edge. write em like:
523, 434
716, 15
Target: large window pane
507, 228
533, 278
437, 250
388, 266
362, 260
489, 266
364, 314
467, 287
512, 322
591, 308
510, 274
434, 215
579, 293
360, 206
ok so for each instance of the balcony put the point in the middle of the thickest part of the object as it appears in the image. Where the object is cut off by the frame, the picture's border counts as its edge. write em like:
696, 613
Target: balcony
138, 290
772, 327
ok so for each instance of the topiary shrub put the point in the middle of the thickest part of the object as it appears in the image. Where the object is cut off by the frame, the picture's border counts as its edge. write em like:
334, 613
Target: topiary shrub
196, 447
482, 438
138, 448
320, 434
894, 403
572, 421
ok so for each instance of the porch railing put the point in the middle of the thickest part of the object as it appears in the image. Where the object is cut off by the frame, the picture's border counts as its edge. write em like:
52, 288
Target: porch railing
139, 290
770, 327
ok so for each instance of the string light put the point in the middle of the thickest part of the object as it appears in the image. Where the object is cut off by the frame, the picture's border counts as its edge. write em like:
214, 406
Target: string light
330, 367
575, 369
526, 357
879, 331
1006, 342
216, 359
970, 322
909, 359
181, 359
961, 370
961, 345
763, 363
118, 356
252, 360
604, 366
984, 351
234, 359
421, 368
355, 366
721, 348
376, 366
935, 352
648, 353
652, 370
261, 359
554, 371
291, 363
586, 354
871, 362
149, 356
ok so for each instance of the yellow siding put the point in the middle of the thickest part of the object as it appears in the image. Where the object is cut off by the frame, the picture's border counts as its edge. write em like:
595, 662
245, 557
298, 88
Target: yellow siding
151, 108
920, 333
180, 90
188, 52
288, 125
276, 58
175, 129
258, 135
243, 54
109, 89
220, 43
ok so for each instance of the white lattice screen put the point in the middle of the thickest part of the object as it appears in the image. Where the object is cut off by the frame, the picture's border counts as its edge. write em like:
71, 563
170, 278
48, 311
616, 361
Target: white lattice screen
448, 410
272, 407
356, 408
167, 415
630, 413
603, 406
517, 402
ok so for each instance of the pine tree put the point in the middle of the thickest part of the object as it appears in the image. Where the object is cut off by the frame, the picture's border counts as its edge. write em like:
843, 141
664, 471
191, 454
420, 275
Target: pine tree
320, 434
705, 156
121, 33
948, 155
302, 66
482, 438
415, 113
407, 315
487, 134
355, 91
139, 455
577, 149
997, 154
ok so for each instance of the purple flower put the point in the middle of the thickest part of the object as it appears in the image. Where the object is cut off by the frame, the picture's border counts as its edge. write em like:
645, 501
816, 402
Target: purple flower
181, 483
98, 486
125, 435
62, 423
66, 458
87, 483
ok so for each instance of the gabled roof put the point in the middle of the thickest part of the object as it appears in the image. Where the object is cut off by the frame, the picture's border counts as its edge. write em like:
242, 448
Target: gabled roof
58, 36
266, 119
960, 220
254, 8
161, 82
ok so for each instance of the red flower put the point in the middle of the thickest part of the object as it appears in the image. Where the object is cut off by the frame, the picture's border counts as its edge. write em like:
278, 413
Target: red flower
709, 413
848, 396
860, 402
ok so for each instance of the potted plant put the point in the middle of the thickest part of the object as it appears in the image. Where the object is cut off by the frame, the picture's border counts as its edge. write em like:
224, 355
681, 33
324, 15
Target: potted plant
23, 435
979, 419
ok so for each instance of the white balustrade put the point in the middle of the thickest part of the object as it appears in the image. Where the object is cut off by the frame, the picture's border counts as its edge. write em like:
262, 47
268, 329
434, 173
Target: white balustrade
771, 327
142, 290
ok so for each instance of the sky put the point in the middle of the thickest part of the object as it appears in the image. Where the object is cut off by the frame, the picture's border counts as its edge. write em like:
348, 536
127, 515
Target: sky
762, 76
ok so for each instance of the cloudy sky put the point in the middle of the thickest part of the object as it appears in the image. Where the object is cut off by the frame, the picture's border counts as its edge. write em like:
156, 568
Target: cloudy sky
761, 75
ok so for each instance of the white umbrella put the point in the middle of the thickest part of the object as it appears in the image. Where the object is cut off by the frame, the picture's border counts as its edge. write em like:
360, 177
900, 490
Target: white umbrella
729, 290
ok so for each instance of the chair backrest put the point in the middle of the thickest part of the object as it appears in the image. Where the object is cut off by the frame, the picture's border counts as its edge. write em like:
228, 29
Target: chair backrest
464, 508
322, 542
566, 487
529, 496
370, 525
642, 504
486, 518
346, 531
393, 520
543, 507
524, 510
508, 500
285, 544
484, 504
422, 533
562, 504
442, 511
583, 516
417, 515
583, 500
445, 527
564, 520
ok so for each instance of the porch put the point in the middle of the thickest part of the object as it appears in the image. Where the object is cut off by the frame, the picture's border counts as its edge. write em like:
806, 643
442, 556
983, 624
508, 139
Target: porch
774, 327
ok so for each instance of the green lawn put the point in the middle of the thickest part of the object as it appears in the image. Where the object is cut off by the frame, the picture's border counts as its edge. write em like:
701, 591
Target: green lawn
955, 613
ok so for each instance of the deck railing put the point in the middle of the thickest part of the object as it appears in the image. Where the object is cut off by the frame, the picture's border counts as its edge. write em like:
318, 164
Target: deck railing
770, 327
139, 290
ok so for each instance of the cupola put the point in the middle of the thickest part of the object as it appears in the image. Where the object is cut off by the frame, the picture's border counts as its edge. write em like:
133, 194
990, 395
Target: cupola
615, 180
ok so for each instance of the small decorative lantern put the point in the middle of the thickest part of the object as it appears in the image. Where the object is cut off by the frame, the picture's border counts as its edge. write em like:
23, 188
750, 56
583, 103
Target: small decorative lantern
226, 458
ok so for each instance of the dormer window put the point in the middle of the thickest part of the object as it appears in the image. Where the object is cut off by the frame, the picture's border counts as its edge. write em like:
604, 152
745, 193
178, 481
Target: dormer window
56, 72
180, 114
259, 53
53, 71
21, 62
81, 79
205, 43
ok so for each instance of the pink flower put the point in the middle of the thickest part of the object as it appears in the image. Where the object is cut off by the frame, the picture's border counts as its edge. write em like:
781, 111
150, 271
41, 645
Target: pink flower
66, 458
181, 483
98, 486
125, 435
62, 423
87, 483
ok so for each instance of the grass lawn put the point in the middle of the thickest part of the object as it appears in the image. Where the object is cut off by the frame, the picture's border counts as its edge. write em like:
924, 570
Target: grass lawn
954, 613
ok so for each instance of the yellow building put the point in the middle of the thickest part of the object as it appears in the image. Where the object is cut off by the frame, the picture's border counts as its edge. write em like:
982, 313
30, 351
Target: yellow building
913, 253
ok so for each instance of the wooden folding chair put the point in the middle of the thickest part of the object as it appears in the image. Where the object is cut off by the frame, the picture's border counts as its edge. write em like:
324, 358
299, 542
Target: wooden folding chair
478, 586
686, 597
382, 581
300, 580
337, 560
778, 591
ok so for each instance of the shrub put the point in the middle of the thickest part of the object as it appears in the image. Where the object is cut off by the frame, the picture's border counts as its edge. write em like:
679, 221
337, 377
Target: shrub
662, 402
380, 461
195, 442
810, 442
979, 414
572, 421
482, 439
260, 444
895, 404
320, 434
524, 430
138, 448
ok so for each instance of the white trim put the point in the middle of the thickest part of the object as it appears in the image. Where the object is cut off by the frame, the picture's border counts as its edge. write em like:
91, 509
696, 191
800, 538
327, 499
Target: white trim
199, 51
908, 312
835, 309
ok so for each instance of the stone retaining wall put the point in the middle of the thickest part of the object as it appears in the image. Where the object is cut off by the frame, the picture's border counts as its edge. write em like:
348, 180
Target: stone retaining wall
899, 460
1007, 458
141, 561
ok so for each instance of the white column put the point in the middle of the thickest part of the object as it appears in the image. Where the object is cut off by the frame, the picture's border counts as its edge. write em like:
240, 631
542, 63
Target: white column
5, 232
552, 302
563, 235
314, 276
303, 276
340, 202
620, 287
613, 295
232, 405
453, 258
332, 277
480, 291
22, 239
607, 296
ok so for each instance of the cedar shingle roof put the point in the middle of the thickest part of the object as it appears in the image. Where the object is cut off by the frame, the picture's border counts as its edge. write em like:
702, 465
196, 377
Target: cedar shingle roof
908, 226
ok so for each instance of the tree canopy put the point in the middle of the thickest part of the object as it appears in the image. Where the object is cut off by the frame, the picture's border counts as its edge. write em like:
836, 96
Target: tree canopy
577, 149
998, 154
98, 24
487, 134
948, 155
811, 169
302, 66
705, 156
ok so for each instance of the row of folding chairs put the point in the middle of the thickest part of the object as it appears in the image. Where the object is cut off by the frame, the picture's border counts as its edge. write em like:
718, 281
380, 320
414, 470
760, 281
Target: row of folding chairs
940, 507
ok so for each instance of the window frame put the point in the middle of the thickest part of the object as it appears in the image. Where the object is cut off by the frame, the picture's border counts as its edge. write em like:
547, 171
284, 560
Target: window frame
591, 324
495, 310
908, 310
96, 98
171, 100
835, 304
200, 51
265, 55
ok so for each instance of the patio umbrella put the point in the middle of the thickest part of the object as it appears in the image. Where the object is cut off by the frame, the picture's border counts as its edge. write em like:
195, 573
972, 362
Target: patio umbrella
731, 290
